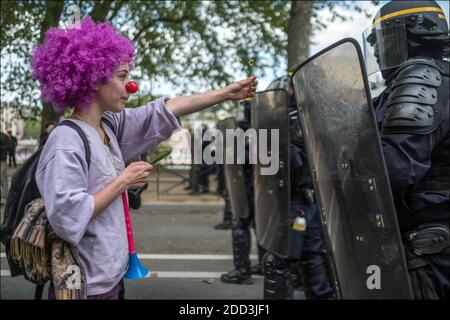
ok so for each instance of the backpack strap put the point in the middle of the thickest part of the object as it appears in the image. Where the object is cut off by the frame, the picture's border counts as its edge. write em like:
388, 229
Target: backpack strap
38, 292
109, 124
82, 135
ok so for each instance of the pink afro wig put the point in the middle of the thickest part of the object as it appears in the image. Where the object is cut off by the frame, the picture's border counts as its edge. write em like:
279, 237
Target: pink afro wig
72, 61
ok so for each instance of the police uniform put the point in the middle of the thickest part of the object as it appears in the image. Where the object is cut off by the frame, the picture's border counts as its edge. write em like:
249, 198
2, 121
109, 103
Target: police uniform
413, 119
240, 227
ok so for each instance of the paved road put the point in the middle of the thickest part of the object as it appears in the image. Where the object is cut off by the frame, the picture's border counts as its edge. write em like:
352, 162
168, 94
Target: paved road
185, 254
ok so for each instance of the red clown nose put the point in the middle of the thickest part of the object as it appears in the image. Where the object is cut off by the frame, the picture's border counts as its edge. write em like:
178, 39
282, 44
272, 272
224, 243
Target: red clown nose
131, 87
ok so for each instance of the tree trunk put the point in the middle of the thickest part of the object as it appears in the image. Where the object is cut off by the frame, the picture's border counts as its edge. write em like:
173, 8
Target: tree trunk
299, 32
101, 9
53, 10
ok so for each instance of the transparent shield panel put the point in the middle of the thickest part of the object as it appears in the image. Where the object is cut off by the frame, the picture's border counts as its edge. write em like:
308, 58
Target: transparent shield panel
241, 111
234, 174
350, 177
272, 193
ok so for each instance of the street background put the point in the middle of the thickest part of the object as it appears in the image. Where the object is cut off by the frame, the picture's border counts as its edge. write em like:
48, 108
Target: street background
176, 240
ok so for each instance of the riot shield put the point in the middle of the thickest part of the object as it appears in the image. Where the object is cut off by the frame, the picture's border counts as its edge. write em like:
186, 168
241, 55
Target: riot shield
234, 175
351, 180
272, 193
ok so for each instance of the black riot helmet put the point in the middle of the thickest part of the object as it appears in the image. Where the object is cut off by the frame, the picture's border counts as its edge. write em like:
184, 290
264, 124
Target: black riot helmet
285, 83
402, 30
280, 83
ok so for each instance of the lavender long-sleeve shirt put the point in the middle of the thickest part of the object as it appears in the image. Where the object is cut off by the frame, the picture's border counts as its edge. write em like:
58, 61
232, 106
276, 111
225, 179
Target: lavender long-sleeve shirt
68, 186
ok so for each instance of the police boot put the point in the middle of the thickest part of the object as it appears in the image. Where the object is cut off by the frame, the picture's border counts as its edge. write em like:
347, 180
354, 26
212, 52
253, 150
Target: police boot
237, 276
241, 253
276, 272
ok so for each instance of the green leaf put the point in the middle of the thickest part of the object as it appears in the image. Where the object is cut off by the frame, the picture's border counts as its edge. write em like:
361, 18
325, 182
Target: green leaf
162, 151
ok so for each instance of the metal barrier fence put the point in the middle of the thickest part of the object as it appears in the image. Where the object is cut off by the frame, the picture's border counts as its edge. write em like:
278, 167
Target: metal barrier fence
179, 179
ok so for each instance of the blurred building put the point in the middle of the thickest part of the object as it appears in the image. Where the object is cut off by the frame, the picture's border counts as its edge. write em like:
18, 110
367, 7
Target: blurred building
10, 118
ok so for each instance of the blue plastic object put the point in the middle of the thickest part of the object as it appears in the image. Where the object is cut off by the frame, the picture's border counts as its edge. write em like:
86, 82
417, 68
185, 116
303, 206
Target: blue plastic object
135, 269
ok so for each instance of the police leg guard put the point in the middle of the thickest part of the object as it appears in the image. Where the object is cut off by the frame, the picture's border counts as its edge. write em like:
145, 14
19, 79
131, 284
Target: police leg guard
317, 284
295, 275
241, 254
227, 214
276, 273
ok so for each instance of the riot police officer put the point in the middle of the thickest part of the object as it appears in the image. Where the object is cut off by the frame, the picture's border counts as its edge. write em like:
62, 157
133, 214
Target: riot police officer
408, 42
240, 226
307, 253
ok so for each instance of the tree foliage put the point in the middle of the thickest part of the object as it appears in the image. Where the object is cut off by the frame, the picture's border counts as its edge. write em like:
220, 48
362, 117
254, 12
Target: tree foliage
190, 44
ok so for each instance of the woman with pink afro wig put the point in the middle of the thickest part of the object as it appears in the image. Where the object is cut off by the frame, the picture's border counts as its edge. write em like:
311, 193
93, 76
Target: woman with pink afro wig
87, 68
72, 62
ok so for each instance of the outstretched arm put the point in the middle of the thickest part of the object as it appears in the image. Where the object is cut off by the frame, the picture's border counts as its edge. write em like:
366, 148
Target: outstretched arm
181, 106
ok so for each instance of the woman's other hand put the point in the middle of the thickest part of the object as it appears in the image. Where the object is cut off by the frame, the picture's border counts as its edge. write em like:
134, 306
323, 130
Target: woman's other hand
135, 175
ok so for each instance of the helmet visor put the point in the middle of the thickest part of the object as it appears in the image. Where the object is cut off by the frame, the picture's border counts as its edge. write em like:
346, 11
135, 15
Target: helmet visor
385, 46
